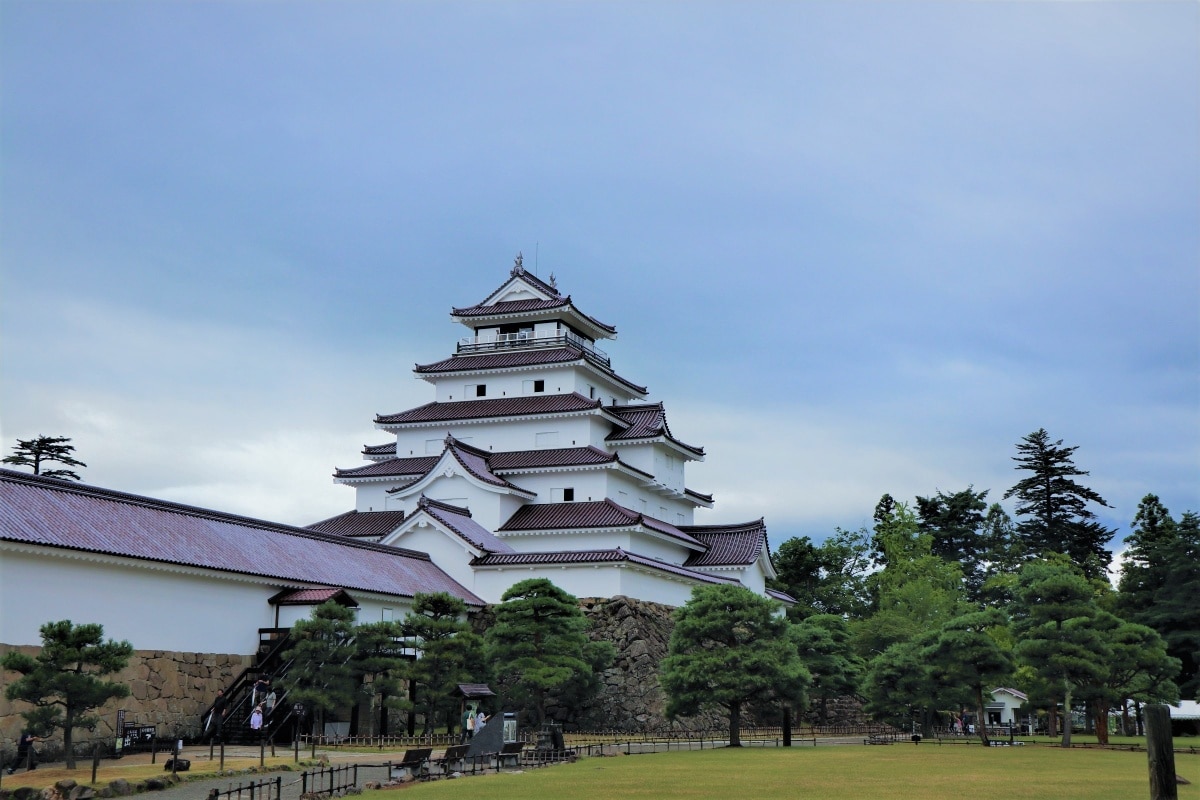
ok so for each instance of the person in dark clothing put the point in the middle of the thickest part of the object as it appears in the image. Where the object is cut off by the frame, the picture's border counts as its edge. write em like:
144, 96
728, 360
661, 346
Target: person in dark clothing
26, 754
217, 716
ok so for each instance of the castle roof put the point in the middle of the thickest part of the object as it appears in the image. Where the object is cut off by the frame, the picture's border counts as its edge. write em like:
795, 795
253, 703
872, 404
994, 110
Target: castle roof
47, 512
593, 514
518, 359
459, 521
538, 298
646, 422
533, 405
616, 555
728, 545
360, 523
393, 467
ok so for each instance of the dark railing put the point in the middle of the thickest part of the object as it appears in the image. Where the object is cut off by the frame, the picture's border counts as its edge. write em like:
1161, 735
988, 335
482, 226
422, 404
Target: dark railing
513, 341
328, 780
262, 790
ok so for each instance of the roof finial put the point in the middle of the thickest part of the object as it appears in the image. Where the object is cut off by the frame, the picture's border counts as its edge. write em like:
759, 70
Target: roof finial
518, 265
553, 282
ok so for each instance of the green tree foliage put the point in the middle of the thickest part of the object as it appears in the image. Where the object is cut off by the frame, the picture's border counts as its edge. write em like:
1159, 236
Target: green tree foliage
1137, 667
824, 645
1161, 581
379, 665
63, 682
900, 687
955, 522
450, 654
1055, 506
46, 449
1059, 632
1004, 556
322, 676
730, 647
967, 653
539, 645
829, 578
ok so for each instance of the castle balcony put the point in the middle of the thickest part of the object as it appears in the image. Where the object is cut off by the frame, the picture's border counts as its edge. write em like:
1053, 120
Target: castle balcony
526, 340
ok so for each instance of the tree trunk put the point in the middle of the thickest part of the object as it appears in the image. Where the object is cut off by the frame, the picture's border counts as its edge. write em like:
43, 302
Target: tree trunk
735, 724
1100, 721
1066, 737
69, 737
1052, 722
979, 715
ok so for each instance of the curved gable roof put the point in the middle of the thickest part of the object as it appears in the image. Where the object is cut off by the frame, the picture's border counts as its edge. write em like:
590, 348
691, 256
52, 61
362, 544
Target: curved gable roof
646, 422
531, 405
459, 521
728, 545
593, 514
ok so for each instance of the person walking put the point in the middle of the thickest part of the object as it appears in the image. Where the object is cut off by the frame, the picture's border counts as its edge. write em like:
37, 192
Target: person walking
26, 753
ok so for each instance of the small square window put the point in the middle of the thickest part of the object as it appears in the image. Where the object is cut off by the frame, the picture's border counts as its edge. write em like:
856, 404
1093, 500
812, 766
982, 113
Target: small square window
568, 495
539, 386
481, 390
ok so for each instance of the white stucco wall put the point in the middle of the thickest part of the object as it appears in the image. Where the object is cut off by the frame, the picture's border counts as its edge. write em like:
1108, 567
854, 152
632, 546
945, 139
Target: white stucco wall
587, 581
154, 607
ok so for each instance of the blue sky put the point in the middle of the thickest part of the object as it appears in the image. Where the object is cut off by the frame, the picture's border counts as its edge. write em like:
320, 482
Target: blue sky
855, 248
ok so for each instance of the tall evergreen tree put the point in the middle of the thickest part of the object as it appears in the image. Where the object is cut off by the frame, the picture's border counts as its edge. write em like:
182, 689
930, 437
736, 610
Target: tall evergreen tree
1055, 506
955, 521
1058, 631
824, 644
966, 654
63, 682
450, 653
380, 661
322, 676
729, 647
1161, 581
539, 644
46, 449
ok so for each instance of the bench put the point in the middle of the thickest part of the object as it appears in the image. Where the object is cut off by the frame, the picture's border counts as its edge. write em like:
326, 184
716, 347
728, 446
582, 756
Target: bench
414, 765
878, 738
453, 760
510, 754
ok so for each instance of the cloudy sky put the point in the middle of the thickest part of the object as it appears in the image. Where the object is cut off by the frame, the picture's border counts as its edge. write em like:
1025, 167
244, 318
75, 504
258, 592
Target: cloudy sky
855, 248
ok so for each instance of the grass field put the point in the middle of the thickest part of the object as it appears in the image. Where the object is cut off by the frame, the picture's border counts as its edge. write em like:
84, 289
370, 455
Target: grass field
833, 773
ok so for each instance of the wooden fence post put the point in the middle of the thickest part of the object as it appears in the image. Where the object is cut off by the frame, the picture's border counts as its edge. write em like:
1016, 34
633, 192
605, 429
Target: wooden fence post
1160, 750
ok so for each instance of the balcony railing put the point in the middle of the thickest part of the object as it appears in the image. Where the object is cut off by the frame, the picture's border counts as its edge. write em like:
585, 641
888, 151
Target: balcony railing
525, 340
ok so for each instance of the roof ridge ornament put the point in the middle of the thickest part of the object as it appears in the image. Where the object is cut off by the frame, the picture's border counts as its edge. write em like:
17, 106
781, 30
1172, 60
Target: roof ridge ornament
518, 265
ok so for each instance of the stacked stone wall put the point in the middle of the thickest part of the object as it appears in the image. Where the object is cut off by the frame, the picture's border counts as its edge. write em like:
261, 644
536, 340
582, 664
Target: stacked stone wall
166, 689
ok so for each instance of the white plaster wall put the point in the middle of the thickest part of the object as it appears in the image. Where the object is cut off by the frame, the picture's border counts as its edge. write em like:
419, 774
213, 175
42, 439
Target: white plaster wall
587, 581
452, 388
500, 436
453, 558
554, 542
159, 608
588, 484
373, 497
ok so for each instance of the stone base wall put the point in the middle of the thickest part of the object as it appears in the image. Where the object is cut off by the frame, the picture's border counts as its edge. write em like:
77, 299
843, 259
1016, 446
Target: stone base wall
170, 690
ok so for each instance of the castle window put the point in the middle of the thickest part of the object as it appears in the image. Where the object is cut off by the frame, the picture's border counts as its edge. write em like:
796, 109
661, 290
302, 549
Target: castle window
564, 495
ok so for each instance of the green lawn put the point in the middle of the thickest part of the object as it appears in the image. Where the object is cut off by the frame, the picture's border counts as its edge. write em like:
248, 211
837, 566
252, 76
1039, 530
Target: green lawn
833, 773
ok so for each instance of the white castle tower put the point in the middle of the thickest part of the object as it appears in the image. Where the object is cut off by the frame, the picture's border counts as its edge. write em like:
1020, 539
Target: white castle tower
536, 459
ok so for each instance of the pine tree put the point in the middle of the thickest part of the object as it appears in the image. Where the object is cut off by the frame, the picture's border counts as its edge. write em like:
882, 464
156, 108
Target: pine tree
539, 645
1058, 519
63, 681
956, 523
450, 653
321, 676
729, 648
965, 654
43, 449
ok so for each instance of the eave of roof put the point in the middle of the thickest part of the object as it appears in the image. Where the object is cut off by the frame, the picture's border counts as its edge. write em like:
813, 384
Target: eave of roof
519, 359
65, 515
493, 408
591, 515
647, 423
359, 523
392, 468
459, 522
728, 545
585, 557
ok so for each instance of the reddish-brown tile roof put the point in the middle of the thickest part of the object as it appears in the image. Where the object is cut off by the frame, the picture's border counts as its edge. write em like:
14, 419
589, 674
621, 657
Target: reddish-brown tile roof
475, 461
388, 449
62, 514
459, 521
393, 467
707, 498
509, 307
646, 422
594, 557
728, 545
593, 514
512, 359
312, 596
557, 457
498, 407
371, 524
